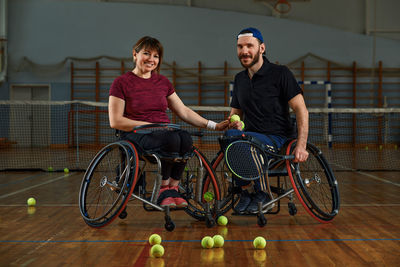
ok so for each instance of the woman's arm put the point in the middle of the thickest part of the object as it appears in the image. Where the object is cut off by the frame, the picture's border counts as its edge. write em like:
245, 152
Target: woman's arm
188, 115
116, 107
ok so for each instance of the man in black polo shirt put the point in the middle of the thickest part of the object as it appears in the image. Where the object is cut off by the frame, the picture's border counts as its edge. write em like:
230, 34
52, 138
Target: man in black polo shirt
262, 95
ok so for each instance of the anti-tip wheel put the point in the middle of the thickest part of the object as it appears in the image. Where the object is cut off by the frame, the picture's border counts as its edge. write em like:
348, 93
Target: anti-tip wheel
261, 220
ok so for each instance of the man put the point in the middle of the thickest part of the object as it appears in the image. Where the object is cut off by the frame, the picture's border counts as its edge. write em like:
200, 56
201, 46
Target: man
262, 95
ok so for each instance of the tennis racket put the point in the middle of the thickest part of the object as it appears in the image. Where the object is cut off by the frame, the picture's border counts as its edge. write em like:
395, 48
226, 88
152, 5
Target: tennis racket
246, 160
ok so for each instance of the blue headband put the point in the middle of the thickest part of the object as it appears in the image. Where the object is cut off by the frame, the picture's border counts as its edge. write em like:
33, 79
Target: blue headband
251, 32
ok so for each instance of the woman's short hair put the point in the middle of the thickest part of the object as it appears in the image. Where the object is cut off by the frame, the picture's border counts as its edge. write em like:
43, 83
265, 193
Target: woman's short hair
151, 44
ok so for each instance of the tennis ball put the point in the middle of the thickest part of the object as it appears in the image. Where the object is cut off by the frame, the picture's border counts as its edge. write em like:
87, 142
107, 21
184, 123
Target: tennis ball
208, 196
207, 242
222, 220
66, 170
259, 242
242, 124
157, 251
155, 239
31, 201
235, 117
218, 241
50, 169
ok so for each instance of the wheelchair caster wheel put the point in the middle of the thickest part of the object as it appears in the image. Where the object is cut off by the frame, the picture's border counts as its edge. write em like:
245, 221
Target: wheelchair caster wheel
123, 214
261, 220
169, 226
210, 222
292, 209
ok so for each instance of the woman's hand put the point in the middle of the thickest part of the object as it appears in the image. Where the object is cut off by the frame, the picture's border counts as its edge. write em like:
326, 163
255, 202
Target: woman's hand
222, 126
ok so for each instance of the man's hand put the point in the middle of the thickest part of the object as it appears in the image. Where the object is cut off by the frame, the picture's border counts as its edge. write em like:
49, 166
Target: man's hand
222, 126
300, 153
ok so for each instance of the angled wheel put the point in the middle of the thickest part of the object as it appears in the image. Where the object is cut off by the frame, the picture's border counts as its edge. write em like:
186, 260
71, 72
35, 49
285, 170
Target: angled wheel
108, 183
314, 184
225, 181
197, 171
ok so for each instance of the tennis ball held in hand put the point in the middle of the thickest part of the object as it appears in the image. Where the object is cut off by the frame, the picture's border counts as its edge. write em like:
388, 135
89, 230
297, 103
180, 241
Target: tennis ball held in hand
259, 242
235, 117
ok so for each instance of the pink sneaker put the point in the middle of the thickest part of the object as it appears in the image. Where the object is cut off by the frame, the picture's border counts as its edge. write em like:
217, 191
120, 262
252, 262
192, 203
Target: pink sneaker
168, 201
180, 202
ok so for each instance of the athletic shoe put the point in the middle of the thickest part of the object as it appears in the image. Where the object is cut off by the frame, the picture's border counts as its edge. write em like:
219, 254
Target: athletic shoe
168, 201
245, 199
179, 201
260, 196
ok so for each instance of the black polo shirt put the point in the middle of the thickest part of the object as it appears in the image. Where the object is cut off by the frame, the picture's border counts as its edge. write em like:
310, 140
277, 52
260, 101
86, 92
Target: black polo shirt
264, 99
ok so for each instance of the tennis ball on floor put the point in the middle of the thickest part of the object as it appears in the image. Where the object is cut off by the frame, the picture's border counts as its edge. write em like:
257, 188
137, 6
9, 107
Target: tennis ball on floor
218, 241
207, 242
259, 242
155, 239
66, 170
222, 220
235, 117
50, 169
208, 196
31, 201
157, 251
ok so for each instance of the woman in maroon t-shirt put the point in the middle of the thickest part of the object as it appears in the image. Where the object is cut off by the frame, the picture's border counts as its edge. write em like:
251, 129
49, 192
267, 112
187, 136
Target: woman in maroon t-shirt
141, 97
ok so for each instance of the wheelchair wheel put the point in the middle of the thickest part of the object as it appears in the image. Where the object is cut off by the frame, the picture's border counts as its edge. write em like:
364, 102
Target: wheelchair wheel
225, 180
108, 183
198, 207
314, 184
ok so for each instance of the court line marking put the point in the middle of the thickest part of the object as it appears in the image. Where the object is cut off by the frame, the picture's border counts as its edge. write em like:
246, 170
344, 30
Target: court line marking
369, 175
378, 178
191, 241
34, 186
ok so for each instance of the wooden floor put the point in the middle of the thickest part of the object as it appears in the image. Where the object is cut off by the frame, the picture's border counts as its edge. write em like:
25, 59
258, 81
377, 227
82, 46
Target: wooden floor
365, 233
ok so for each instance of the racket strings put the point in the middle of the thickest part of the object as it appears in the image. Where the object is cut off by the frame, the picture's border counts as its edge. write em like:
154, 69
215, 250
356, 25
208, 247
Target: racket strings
245, 160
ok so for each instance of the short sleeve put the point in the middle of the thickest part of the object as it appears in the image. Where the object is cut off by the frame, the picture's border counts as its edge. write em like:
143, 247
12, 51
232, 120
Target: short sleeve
290, 87
116, 89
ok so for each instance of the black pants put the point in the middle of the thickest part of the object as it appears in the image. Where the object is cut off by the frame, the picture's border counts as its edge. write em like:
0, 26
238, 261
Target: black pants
175, 143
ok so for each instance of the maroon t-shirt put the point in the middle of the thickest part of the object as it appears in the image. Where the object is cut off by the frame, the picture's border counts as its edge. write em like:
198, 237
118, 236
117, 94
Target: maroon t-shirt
145, 99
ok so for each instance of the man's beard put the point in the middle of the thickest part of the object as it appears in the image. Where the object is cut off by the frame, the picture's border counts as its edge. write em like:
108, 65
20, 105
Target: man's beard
254, 61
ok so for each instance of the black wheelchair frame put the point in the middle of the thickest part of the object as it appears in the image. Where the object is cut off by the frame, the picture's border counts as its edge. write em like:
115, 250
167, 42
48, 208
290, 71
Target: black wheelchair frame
118, 173
313, 182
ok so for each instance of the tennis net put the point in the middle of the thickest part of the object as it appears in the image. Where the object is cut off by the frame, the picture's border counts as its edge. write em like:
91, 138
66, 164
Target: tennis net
67, 134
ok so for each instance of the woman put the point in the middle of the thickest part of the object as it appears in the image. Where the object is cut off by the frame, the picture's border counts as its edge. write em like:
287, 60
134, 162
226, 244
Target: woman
141, 97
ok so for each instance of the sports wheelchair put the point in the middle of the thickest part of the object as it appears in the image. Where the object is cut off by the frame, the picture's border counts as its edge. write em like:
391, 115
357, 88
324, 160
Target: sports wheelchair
121, 171
313, 181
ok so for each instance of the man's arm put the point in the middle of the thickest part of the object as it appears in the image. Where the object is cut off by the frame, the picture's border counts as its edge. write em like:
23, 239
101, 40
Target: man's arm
299, 107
